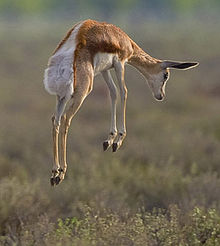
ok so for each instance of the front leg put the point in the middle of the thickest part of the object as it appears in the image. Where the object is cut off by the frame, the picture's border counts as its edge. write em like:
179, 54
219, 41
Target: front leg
119, 69
113, 94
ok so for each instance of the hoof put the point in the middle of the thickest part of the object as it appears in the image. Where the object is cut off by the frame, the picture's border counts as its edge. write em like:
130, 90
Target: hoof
105, 145
57, 180
57, 176
114, 147
52, 181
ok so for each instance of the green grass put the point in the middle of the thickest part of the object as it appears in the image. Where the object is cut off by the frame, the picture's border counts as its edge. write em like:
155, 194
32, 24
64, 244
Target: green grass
161, 187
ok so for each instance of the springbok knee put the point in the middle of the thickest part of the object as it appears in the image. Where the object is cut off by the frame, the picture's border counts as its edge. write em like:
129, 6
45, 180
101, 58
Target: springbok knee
64, 125
60, 107
55, 125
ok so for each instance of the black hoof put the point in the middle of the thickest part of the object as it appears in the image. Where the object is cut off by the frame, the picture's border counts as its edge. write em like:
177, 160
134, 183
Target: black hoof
57, 180
52, 181
114, 147
105, 145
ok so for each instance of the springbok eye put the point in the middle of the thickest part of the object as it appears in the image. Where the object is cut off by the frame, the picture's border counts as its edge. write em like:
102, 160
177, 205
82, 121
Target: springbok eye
165, 76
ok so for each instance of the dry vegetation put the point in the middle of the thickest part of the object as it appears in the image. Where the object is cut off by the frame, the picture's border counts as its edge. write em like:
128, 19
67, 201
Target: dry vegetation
162, 186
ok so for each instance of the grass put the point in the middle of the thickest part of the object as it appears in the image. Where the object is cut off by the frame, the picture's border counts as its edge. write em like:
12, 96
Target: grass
160, 188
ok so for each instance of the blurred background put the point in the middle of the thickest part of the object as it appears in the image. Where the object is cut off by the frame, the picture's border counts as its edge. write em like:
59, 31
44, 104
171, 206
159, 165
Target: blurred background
171, 154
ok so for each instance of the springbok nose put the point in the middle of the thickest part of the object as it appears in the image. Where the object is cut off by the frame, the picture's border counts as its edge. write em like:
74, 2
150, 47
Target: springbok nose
159, 97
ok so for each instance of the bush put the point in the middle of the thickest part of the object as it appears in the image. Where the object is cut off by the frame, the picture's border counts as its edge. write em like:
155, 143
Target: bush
107, 228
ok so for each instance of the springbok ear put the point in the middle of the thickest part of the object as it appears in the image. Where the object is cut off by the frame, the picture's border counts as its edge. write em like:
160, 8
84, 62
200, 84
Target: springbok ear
178, 65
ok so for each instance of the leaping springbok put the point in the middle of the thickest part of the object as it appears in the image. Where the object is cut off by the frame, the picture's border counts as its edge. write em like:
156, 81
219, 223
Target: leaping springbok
88, 49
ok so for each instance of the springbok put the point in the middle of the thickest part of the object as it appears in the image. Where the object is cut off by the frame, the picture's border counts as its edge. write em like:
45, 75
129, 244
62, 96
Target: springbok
88, 49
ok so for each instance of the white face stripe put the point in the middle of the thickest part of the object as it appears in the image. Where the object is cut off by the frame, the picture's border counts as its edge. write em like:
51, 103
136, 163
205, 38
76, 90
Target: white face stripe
157, 84
58, 77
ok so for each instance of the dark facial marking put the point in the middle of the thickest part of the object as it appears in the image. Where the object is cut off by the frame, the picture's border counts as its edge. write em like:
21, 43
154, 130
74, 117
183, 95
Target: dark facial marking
165, 76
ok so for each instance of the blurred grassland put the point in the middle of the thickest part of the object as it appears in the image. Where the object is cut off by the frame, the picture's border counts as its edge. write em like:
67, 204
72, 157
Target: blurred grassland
170, 155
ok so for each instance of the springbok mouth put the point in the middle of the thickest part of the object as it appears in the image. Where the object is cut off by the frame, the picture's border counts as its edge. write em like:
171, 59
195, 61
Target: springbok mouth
159, 97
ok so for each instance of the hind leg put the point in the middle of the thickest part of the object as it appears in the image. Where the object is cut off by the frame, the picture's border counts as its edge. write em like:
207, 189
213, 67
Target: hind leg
61, 103
84, 83
56, 165
65, 124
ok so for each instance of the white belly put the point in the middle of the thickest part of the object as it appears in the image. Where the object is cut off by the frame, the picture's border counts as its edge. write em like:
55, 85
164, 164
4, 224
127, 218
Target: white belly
102, 61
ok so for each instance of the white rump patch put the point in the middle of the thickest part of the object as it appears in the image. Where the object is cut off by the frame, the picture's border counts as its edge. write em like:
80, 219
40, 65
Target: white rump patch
58, 77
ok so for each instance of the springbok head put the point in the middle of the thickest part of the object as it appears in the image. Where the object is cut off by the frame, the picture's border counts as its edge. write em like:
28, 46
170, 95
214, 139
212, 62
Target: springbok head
157, 81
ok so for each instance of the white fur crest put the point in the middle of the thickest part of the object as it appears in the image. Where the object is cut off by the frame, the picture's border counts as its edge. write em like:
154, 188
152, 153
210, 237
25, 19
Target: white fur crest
58, 77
